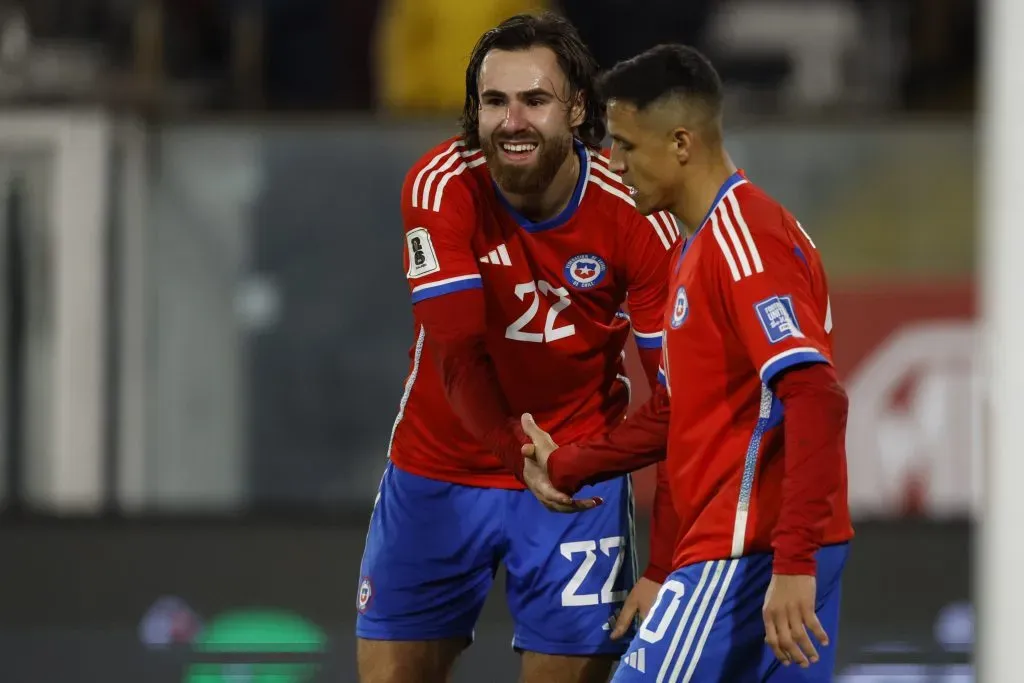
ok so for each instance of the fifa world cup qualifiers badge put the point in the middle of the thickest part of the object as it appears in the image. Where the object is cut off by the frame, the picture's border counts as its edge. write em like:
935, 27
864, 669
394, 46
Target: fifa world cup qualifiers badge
584, 271
778, 319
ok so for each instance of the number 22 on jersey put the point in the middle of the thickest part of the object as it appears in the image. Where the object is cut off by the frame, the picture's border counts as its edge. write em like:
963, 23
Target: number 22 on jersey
535, 292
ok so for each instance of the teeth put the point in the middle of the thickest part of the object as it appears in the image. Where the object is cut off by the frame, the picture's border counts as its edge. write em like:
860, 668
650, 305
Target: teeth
523, 147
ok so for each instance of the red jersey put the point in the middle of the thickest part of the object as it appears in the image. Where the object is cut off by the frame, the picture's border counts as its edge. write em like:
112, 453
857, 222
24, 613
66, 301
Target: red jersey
554, 294
748, 299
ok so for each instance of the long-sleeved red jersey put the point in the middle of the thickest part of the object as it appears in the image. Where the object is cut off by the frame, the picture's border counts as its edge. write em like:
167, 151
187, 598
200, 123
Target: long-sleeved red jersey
513, 316
748, 302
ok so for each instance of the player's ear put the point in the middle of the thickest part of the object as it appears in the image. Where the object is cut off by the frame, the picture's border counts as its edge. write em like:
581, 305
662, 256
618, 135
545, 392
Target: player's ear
682, 144
578, 111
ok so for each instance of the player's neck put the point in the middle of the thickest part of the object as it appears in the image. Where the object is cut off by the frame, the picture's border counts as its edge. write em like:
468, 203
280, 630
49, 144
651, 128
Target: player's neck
541, 206
696, 198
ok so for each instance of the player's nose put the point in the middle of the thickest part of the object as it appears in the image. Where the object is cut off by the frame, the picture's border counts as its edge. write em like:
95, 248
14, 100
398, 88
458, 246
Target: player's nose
515, 118
616, 163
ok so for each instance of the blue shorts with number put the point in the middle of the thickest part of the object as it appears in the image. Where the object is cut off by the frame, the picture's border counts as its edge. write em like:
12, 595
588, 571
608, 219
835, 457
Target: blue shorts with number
434, 548
706, 626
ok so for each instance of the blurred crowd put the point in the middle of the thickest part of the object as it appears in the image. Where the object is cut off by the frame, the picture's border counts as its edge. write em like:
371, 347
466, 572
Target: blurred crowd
408, 56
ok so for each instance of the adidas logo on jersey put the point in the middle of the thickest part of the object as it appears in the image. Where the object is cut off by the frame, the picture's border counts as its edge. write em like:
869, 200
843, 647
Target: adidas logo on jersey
497, 256
637, 660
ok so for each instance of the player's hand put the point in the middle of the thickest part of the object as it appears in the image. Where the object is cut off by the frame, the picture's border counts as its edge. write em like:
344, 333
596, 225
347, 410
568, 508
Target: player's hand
789, 615
638, 604
535, 472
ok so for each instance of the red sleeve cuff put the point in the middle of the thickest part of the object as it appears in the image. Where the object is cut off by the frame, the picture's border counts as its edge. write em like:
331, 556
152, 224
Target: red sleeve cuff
656, 574
562, 471
792, 566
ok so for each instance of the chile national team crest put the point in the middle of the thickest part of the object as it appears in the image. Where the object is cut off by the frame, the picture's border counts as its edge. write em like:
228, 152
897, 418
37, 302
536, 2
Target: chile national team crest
365, 594
680, 309
584, 271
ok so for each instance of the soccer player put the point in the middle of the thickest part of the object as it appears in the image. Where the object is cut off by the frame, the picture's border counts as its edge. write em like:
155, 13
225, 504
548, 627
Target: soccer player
755, 434
522, 247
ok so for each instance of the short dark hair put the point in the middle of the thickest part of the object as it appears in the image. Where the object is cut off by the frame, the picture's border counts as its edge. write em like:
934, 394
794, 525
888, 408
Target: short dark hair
549, 30
663, 71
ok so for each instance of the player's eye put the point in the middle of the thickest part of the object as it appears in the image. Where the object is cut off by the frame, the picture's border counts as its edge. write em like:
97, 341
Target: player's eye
493, 101
535, 102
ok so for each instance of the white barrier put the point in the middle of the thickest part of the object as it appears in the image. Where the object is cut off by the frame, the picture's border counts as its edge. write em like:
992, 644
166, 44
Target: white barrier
999, 588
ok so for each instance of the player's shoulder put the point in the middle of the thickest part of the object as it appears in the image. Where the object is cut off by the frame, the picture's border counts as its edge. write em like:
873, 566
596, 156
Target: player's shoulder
448, 170
768, 219
604, 185
751, 227
749, 212
605, 189
753, 205
606, 192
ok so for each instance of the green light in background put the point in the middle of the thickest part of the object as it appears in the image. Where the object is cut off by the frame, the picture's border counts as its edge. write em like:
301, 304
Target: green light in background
259, 633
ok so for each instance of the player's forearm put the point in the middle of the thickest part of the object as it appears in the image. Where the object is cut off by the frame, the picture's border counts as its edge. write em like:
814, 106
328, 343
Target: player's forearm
455, 333
664, 529
664, 520
815, 411
650, 359
635, 443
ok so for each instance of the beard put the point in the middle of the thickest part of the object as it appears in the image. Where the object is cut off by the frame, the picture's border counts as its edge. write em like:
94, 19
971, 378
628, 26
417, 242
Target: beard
523, 178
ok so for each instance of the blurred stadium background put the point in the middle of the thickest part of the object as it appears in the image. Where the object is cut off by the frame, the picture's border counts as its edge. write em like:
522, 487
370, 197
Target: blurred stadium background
205, 328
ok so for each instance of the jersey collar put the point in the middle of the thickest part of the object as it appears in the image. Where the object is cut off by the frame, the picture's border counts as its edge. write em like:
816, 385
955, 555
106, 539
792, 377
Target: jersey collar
732, 181
570, 209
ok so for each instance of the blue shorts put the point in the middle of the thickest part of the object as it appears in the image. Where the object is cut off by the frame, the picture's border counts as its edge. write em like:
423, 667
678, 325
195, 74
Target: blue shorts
706, 626
434, 548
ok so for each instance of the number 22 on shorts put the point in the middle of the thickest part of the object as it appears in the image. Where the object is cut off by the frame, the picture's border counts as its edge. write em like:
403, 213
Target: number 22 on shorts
570, 595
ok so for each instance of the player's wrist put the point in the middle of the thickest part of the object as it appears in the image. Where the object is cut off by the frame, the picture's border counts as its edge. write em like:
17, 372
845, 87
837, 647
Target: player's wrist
788, 565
